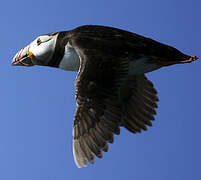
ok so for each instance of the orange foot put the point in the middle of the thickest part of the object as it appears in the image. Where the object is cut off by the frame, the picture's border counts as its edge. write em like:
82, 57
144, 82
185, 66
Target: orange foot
192, 58
165, 63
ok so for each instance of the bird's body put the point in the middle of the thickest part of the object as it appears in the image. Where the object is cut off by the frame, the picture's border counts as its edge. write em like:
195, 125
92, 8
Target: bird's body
111, 88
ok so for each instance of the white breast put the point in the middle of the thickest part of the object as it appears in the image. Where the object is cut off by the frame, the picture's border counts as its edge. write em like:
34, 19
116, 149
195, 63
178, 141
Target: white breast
70, 60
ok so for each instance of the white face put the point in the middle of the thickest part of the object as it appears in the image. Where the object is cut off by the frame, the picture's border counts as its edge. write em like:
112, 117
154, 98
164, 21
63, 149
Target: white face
43, 48
38, 52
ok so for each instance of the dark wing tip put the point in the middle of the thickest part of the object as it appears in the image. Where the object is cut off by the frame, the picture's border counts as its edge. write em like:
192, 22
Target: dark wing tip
139, 110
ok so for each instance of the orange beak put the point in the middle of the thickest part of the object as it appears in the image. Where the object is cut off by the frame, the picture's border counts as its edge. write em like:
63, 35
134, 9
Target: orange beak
23, 57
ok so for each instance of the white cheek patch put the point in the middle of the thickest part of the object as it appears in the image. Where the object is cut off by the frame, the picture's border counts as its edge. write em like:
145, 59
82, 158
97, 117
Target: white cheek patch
45, 50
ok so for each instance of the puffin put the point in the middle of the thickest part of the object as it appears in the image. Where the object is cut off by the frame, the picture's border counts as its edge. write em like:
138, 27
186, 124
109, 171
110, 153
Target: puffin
111, 88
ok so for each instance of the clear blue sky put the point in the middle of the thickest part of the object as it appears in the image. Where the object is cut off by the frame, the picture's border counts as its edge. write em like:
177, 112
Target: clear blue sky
37, 104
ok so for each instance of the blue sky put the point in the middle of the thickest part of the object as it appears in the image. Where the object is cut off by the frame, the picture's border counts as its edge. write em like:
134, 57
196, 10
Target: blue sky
37, 104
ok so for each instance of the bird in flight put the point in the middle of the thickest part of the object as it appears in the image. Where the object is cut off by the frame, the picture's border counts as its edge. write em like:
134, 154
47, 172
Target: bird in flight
111, 87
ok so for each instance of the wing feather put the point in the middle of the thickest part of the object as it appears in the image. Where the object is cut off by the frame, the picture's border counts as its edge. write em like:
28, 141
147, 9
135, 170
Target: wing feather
106, 98
139, 109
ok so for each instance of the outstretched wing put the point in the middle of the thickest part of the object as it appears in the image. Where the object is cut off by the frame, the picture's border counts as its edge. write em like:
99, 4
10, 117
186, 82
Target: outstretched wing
102, 92
98, 112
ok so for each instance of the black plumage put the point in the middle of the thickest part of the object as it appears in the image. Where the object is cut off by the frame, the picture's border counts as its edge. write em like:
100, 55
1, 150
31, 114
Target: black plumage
108, 94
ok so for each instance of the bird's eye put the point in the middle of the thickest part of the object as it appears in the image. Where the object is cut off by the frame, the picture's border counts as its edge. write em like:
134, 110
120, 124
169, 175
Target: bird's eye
39, 41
